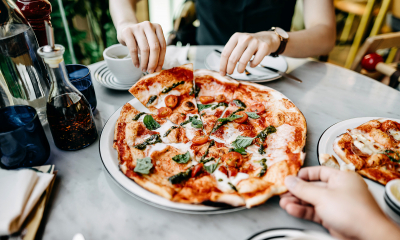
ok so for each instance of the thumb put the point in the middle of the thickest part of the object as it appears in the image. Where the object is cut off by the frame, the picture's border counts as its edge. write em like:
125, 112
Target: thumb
305, 191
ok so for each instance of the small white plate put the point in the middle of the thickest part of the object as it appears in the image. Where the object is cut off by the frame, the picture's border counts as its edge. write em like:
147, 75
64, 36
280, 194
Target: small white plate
103, 76
109, 158
258, 74
290, 233
325, 145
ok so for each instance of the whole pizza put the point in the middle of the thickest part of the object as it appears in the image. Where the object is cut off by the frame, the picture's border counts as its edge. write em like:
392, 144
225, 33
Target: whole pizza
209, 139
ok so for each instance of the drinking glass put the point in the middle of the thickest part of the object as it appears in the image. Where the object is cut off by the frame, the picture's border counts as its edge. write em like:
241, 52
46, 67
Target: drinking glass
79, 76
23, 142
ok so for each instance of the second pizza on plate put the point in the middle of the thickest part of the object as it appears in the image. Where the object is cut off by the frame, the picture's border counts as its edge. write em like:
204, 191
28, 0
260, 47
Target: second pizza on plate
209, 138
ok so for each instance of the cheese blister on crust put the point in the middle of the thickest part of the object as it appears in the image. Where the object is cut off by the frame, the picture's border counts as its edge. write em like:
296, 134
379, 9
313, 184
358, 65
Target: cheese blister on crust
365, 143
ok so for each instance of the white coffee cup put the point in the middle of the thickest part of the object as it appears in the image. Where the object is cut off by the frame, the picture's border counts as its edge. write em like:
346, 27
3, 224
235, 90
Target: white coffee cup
122, 68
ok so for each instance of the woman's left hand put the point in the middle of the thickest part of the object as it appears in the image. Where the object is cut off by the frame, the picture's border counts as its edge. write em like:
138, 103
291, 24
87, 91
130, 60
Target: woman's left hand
242, 46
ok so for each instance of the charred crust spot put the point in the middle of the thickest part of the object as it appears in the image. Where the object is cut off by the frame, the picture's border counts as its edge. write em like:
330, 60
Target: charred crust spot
188, 106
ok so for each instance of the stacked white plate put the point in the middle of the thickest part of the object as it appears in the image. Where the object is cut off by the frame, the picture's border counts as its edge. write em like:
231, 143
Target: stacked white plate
103, 76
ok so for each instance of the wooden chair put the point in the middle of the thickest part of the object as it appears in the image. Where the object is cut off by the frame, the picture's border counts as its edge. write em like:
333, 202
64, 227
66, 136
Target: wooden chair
372, 44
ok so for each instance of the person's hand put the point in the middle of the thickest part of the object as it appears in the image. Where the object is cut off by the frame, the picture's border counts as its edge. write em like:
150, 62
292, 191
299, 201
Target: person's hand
146, 39
338, 200
242, 46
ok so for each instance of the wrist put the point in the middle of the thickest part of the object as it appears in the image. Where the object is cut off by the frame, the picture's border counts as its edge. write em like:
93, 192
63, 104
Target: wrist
275, 41
380, 228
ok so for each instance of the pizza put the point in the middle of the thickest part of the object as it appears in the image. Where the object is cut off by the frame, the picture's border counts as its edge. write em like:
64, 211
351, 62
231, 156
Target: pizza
372, 149
235, 146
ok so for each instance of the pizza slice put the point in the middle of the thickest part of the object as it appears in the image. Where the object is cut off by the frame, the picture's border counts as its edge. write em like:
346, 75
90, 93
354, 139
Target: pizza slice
213, 93
168, 93
372, 149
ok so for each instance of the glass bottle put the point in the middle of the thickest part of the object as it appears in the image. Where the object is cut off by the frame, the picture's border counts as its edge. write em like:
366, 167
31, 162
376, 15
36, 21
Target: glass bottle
23, 77
68, 112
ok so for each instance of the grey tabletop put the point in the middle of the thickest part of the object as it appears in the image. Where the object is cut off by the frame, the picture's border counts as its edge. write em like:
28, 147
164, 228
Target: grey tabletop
86, 199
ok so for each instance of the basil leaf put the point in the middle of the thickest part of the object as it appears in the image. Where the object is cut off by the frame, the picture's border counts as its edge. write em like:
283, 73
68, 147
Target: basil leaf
212, 167
169, 131
230, 118
219, 105
150, 123
252, 115
151, 100
197, 123
240, 150
137, 116
182, 158
261, 150
168, 89
239, 103
207, 160
156, 138
201, 107
182, 176
232, 186
264, 167
242, 142
392, 158
195, 90
143, 165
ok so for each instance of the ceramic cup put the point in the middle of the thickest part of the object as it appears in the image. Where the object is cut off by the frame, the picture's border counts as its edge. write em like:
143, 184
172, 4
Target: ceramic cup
123, 69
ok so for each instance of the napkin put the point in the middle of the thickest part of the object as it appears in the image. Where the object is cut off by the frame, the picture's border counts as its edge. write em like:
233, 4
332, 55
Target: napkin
20, 190
175, 56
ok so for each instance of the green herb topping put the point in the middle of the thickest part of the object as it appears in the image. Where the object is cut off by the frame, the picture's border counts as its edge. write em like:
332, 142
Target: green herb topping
230, 118
182, 158
151, 100
169, 131
143, 165
212, 143
212, 167
180, 177
219, 105
220, 180
201, 107
242, 142
239, 150
156, 138
195, 90
150, 123
392, 158
167, 89
196, 123
232, 186
137, 116
263, 163
239, 103
261, 150
207, 160
252, 115
261, 136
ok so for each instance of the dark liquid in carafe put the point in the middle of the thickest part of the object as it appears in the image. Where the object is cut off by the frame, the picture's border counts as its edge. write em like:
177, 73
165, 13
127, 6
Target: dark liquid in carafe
71, 122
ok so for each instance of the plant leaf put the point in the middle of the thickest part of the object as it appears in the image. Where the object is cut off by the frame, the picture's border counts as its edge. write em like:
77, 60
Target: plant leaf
212, 167
239, 103
252, 115
182, 158
150, 123
230, 118
143, 165
178, 178
240, 150
242, 142
201, 107
197, 123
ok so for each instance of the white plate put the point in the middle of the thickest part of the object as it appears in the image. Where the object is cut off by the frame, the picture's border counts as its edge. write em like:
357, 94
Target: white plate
259, 74
290, 233
325, 145
103, 76
109, 157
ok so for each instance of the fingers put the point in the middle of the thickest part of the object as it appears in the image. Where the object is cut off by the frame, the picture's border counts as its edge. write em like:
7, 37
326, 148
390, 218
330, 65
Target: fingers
226, 53
154, 47
305, 191
317, 173
262, 51
247, 55
163, 46
130, 42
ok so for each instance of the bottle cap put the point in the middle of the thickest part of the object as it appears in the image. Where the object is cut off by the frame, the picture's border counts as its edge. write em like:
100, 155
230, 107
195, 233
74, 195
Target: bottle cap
52, 54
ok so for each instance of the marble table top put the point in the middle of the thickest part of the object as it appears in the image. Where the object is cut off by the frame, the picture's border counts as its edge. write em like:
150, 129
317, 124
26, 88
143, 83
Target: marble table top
86, 200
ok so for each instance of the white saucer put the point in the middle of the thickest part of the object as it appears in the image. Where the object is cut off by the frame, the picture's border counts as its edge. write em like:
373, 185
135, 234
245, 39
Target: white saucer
290, 233
103, 76
258, 74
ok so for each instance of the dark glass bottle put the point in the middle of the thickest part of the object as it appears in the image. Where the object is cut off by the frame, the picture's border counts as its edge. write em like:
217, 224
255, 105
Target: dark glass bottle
68, 112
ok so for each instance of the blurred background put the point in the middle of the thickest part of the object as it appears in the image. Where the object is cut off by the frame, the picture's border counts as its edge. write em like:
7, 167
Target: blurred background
85, 26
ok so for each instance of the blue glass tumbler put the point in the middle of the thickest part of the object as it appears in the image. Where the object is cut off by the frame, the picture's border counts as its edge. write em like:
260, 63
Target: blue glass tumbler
23, 142
79, 76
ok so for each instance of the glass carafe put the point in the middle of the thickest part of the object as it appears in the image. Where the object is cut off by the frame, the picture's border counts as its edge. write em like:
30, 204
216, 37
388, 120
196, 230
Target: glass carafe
23, 77
68, 112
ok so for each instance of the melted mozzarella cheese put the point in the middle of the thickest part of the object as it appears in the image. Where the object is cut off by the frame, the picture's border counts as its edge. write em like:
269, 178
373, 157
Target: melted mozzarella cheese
182, 147
163, 129
222, 181
277, 143
212, 89
191, 131
160, 101
230, 133
395, 134
154, 89
365, 143
239, 177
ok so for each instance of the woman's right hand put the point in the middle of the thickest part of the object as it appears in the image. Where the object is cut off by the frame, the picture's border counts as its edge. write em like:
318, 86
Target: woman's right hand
146, 39
338, 200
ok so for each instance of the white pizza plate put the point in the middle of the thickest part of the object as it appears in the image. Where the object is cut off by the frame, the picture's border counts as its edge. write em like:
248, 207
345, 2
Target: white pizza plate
104, 76
258, 74
325, 145
109, 158
290, 233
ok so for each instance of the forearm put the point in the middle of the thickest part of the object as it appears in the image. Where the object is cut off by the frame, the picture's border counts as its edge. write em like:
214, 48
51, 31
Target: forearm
123, 11
315, 41
380, 228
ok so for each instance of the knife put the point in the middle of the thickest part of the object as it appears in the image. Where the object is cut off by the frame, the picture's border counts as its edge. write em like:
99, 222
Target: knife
272, 69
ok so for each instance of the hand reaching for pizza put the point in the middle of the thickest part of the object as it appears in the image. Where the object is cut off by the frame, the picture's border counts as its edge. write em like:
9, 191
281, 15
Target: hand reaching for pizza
338, 200
146, 39
242, 46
